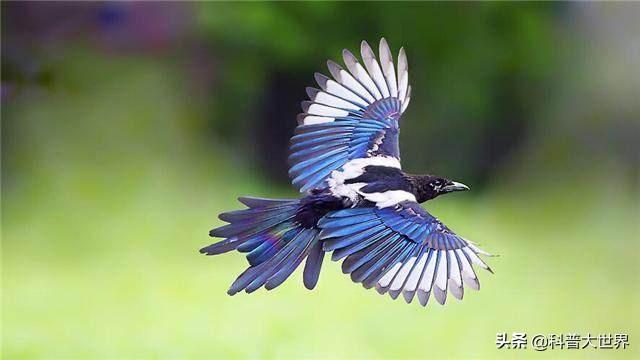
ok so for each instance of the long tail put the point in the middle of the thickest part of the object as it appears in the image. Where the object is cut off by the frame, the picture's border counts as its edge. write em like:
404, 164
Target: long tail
275, 241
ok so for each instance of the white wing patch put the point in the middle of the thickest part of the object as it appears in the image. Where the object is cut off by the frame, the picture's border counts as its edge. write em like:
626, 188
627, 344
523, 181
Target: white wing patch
388, 198
360, 73
386, 61
324, 110
434, 272
403, 75
330, 100
311, 120
358, 86
373, 68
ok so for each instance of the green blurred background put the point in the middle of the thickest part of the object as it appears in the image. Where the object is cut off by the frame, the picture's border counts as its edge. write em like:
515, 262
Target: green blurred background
127, 127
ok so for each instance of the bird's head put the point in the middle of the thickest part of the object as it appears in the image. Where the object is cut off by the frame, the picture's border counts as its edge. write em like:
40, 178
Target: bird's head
427, 187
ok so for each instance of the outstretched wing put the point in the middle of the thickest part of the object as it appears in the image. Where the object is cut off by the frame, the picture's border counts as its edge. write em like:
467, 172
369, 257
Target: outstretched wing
354, 115
402, 249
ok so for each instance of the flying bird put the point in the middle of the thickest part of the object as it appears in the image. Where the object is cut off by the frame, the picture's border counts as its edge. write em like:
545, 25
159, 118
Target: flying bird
357, 202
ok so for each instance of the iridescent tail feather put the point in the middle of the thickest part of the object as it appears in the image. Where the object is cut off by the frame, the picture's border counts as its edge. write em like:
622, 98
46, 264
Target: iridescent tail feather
275, 242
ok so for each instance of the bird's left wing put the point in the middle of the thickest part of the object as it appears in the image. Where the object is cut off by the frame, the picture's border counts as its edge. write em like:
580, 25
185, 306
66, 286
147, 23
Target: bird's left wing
354, 115
401, 249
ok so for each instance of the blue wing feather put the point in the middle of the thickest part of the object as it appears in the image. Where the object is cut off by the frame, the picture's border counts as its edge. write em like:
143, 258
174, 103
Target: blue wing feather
346, 241
359, 245
339, 114
377, 242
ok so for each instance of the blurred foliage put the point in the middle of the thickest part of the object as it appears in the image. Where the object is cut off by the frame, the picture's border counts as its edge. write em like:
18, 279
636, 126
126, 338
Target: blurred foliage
477, 71
114, 191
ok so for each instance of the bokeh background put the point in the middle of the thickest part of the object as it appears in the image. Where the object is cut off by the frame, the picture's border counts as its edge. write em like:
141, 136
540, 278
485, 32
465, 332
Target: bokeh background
127, 127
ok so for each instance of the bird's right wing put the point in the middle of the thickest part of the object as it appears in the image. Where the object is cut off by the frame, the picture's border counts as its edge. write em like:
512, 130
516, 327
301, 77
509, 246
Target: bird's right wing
353, 116
402, 249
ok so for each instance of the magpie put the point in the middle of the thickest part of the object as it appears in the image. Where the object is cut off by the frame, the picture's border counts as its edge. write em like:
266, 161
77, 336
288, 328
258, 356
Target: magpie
357, 201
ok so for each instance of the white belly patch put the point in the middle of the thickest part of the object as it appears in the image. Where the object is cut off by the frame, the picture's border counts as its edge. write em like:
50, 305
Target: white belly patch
389, 198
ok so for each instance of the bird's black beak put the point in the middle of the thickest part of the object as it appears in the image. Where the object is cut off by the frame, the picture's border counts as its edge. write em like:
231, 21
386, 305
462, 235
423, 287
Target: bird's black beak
454, 186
